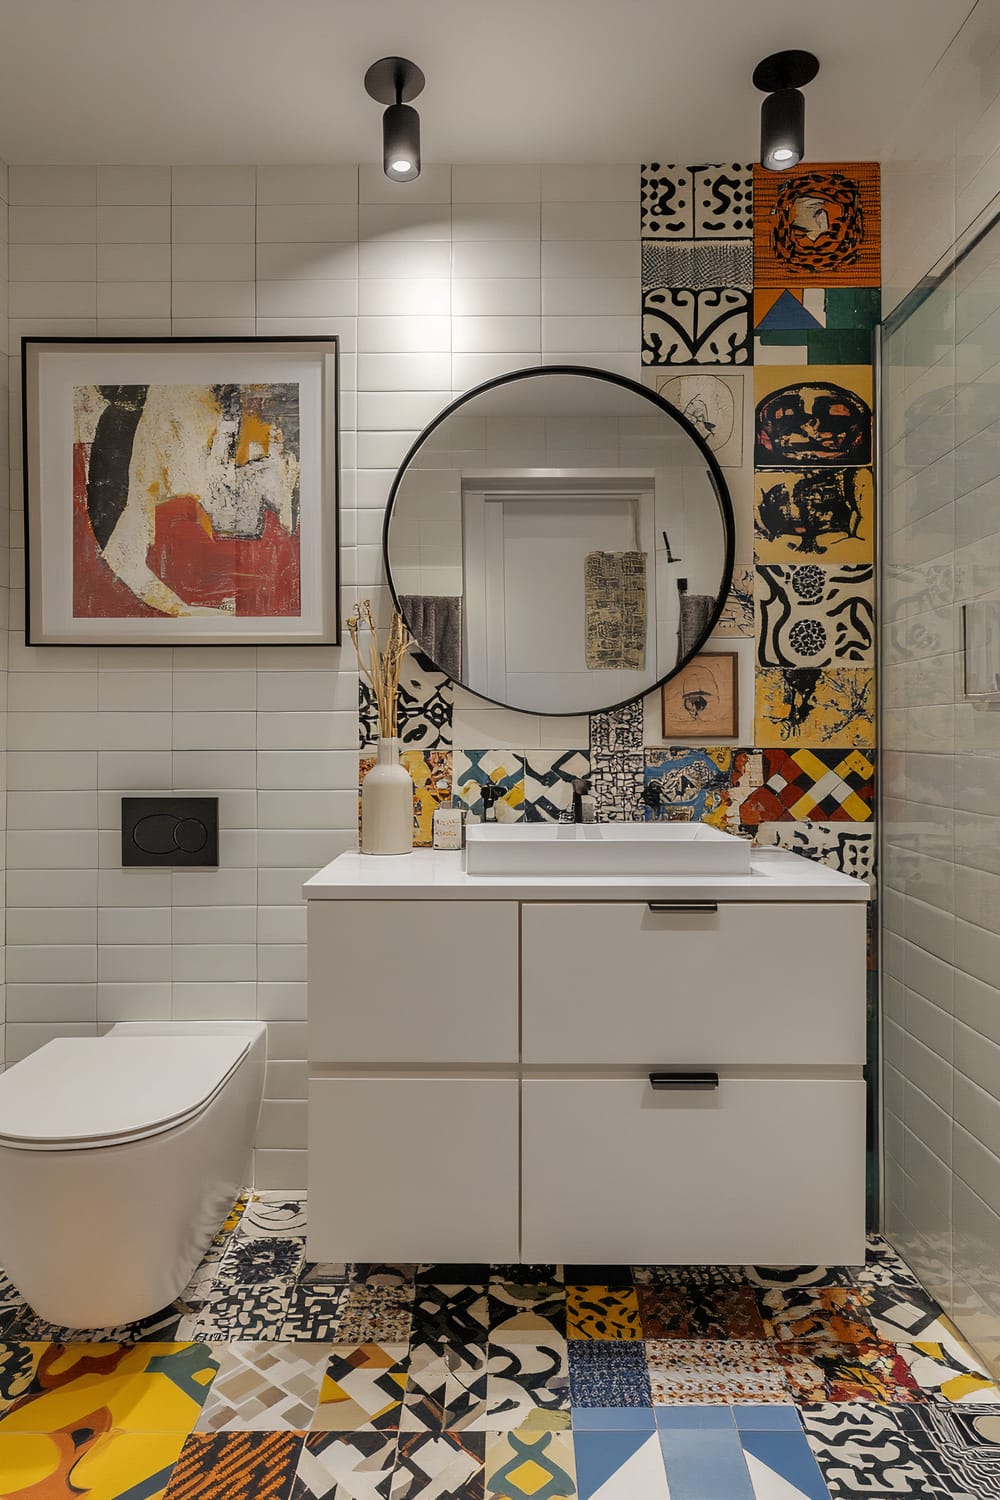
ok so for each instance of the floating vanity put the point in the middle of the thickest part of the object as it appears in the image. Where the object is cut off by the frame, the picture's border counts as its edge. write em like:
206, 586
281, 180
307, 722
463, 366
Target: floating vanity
630, 1068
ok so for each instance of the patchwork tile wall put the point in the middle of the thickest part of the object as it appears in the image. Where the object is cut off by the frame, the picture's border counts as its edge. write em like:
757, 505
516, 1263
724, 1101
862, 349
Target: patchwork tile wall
747, 279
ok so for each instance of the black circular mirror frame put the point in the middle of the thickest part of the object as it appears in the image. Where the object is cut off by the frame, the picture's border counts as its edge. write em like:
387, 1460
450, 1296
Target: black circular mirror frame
610, 378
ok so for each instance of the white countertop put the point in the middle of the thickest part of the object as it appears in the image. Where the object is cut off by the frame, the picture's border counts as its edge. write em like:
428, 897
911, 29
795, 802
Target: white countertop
439, 874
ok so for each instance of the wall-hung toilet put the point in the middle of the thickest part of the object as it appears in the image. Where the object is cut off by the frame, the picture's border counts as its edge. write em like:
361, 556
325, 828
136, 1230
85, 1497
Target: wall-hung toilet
120, 1157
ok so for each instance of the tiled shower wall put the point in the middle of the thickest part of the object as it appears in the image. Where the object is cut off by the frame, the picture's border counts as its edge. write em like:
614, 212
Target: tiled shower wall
431, 288
4, 575
941, 547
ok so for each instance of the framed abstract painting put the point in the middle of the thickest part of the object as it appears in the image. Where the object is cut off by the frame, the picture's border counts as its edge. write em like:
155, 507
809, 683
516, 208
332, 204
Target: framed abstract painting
181, 491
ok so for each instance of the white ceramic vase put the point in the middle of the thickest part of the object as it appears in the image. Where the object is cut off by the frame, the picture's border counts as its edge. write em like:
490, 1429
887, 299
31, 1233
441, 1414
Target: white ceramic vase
387, 804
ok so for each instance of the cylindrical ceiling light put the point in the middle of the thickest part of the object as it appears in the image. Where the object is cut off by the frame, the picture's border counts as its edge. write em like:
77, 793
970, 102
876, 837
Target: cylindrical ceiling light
783, 113
395, 81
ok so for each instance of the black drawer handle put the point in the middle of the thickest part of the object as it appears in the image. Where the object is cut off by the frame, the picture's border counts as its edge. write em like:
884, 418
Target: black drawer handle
684, 1080
682, 906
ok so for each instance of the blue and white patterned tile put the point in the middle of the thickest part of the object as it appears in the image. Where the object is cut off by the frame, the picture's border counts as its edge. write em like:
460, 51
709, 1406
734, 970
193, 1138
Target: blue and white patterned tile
473, 769
548, 783
620, 1465
782, 1466
608, 1372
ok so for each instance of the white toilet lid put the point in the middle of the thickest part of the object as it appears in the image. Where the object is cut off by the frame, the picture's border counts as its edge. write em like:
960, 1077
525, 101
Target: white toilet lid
77, 1092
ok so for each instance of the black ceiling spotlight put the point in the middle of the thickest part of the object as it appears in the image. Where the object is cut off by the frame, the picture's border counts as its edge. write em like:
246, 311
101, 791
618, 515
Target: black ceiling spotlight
783, 113
394, 81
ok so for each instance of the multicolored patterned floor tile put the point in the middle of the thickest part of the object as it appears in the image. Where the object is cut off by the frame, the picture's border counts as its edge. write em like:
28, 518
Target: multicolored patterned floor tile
232, 1220
236, 1466
439, 1466
605, 1372
248, 1262
263, 1387
527, 1384
375, 1315
944, 1370
451, 1313
446, 1389
80, 1460
822, 1370
784, 1278
362, 1389
525, 1309
128, 1387
834, 1312
602, 1312
621, 1465
867, 1449
273, 1214
162, 1327
712, 1312
883, 1267
333, 1466
234, 1310
690, 1278
313, 1312
714, 1371
530, 1465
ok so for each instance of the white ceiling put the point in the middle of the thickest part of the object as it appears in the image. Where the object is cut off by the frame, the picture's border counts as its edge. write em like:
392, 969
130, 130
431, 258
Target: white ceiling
187, 81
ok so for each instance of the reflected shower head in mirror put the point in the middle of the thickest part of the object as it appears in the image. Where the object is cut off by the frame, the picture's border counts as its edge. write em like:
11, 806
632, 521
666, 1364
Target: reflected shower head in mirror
535, 532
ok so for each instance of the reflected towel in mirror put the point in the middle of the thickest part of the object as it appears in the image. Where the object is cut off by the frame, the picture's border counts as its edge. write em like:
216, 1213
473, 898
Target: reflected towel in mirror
435, 622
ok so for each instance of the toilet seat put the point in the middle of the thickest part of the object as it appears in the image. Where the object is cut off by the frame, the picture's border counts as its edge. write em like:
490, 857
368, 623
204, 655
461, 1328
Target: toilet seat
79, 1093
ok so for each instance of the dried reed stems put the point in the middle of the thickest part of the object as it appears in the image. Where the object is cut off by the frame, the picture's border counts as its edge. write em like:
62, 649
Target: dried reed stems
384, 665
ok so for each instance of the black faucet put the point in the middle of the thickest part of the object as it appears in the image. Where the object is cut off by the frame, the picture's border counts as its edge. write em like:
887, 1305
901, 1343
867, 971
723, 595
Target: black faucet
491, 794
581, 789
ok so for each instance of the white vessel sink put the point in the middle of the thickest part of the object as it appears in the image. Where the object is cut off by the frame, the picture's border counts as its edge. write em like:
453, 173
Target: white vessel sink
604, 849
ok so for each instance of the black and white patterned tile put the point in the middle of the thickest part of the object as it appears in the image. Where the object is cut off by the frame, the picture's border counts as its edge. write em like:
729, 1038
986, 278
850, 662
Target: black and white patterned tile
697, 202
617, 729
847, 847
247, 1262
548, 783
864, 1448
273, 1213
238, 1311
809, 615
424, 707
696, 303
616, 783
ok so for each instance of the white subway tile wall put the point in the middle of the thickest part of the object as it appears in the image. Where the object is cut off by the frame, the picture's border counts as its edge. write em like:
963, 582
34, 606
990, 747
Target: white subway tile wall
431, 287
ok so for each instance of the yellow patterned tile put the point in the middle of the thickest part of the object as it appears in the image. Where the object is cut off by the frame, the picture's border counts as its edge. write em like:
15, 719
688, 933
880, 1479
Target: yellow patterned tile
147, 1388
101, 1465
601, 1312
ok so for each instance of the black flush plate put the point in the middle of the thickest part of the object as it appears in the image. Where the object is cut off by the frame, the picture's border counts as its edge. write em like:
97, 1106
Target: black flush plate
169, 831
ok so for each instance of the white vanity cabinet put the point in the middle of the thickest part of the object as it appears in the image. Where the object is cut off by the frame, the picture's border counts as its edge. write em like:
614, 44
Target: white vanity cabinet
615, 1071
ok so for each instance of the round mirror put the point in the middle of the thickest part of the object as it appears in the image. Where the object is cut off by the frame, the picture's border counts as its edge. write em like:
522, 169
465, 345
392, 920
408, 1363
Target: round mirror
560, 540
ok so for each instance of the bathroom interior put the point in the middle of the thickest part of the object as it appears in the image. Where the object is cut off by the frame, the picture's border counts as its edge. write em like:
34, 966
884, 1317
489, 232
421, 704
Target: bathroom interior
500, 526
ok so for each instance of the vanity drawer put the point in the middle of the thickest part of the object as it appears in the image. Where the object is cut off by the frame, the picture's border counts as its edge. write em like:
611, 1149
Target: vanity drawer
413, 1169
757, 1171
413, 982
754, 983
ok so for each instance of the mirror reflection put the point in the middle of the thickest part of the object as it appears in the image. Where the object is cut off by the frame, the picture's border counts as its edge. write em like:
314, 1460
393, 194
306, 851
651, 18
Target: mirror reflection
560, 541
